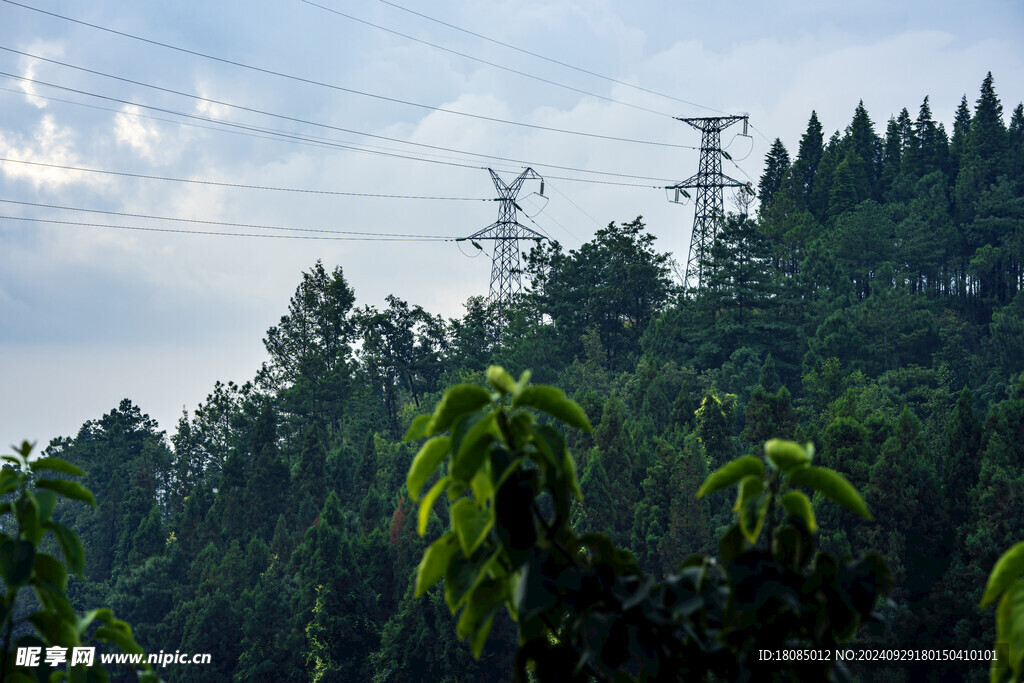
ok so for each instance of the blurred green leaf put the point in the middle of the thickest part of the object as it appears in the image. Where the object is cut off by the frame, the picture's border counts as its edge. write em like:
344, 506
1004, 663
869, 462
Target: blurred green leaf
832, 485
730, 473
1007, 569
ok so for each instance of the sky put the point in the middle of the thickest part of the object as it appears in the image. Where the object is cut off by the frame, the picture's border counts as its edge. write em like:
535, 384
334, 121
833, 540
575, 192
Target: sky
296, 96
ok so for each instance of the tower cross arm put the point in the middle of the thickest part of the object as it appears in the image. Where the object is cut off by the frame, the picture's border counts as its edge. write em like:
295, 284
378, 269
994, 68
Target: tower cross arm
708, 180
506, 231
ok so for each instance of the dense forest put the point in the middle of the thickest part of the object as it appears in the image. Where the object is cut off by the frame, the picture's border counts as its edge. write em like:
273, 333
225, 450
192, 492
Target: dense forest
871, 305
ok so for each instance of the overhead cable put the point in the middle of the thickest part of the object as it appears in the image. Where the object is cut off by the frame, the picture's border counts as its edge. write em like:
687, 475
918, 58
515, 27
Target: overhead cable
549, 59
284, 117
324, 234
484, 61
339, 88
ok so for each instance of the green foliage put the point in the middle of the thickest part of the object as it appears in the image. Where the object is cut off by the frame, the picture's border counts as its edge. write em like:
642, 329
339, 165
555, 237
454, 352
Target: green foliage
584, 608
878, 277
26, 516
1007, 580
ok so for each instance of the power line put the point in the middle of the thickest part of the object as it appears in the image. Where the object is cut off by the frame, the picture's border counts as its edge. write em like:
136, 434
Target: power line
242, 186
256, 226
222, 234
579, 208
277, 134
274, 115
549, 59
484, 61
309, 81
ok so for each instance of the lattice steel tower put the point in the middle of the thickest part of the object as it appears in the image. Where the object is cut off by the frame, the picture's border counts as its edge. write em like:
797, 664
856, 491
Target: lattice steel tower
709, 182
506, 233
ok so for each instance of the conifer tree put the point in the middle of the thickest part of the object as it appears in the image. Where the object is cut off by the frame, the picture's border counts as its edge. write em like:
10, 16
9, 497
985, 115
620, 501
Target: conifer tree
961, 129
982, 159
776, 164
806, 164
963, 454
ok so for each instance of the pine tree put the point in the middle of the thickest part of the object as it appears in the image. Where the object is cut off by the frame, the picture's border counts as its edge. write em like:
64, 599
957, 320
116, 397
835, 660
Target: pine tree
963, 451
861, 138
266, 488
930, 147
961, 129
713, 431
821, 187
891, 163
776, 163
806, 164
651, 518
309, 488
597, 511
982, 159
1015, 147
689, 518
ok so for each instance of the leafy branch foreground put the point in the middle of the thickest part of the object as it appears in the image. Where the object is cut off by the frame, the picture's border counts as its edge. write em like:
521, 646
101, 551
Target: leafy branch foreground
27, 504
584, 608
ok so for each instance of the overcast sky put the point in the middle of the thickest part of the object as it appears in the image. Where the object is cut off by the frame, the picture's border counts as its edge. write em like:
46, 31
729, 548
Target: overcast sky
91, 315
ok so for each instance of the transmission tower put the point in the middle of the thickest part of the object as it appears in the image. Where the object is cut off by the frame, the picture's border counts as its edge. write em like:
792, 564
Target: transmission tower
506, 233
709, 182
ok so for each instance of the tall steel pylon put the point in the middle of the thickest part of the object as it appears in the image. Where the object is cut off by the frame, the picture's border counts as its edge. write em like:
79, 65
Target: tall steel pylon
709, 182
506, 233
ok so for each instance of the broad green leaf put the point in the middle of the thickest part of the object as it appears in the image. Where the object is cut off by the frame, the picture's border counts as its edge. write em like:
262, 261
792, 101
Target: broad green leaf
482, 602
456, 402
435, 562
14, 460
471, 524
419, 428
118, 637
501, 380
9, 479
799, 505
524, 379
1010, 629
569, 471
479, 638
53, 599
55, 464
55, 628
483, 487
50, 569
47, 502
464, 574
730, 473
832, 485
750, 485
104, 614
427, 504
68, 489
472, 448
28, 518
752, 506
544, 449
553, 402
786, 454
426, 461
70, 546
1008, 569
16, 558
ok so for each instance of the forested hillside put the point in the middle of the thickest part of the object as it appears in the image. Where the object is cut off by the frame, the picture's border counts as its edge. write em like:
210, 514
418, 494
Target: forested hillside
872, 305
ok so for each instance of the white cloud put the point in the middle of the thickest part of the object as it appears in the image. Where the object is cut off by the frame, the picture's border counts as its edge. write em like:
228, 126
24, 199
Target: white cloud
50, 143
142, 136
29, 66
